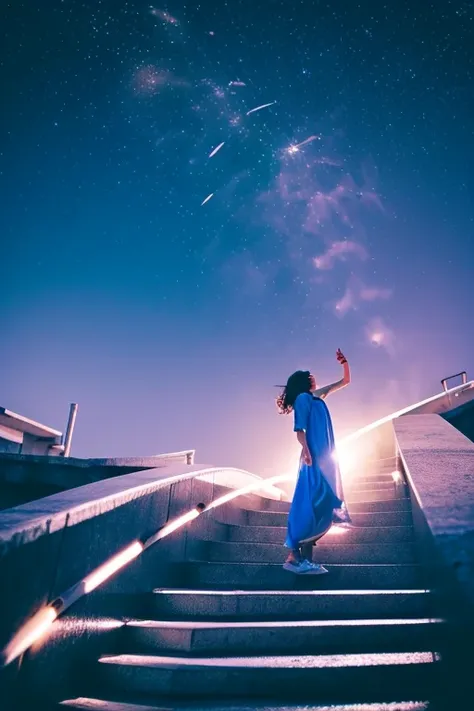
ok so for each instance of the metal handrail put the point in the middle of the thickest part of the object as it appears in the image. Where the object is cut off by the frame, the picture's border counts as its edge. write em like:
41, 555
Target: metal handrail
462, 374
404, 411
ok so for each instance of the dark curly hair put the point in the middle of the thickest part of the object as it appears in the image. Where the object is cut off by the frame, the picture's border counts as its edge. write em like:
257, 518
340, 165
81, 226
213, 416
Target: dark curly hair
297, 383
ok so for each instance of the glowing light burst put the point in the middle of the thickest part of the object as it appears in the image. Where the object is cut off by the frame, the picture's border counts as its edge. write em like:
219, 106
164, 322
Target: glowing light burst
336, 530
345, 458
295, 147
378, 333
30, 633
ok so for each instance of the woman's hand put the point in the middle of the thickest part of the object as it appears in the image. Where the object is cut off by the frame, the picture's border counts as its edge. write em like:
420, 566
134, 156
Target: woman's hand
341, 357
307, 459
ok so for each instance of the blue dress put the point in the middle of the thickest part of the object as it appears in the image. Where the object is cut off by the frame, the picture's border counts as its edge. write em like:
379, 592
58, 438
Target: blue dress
318, 494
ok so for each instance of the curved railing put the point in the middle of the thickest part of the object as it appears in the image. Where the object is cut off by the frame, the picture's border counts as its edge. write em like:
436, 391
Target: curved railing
42, 620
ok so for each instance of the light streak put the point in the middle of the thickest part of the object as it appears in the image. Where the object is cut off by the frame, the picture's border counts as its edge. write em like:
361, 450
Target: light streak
217, 148
98, 576
259, 484
259, 108
173, 526
207, 199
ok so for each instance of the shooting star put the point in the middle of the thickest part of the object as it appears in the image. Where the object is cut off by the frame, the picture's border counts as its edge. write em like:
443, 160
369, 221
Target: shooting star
294, 148
308, 140
207, 199
217, 148
237, 83
259, 108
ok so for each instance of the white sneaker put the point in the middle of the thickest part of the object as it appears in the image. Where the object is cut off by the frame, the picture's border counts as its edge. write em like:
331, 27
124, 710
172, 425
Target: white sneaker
293, 567
308, 568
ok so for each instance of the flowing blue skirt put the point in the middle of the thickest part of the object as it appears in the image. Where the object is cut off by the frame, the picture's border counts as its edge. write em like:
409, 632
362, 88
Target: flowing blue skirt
318, 500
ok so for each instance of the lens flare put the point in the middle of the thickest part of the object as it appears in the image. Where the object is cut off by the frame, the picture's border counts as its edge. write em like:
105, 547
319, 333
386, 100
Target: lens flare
30, 633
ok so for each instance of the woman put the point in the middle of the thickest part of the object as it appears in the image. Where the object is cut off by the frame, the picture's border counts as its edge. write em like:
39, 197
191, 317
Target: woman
318, 500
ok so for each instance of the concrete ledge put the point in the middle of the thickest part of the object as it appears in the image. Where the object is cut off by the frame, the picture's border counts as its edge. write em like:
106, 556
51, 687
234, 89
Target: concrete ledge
439, 463
135, 462
439, 466
25, 477
26, 523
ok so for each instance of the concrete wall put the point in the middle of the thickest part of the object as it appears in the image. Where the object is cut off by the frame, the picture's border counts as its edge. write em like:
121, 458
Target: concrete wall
439, 466
25, 478
49, 545
462, 418
8, 446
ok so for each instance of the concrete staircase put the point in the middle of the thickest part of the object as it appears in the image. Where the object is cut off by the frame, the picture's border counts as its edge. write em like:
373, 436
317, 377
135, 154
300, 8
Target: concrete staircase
238, 632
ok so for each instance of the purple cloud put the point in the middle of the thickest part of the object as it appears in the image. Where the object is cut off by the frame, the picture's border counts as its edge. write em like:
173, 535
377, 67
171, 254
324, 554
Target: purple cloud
339, 250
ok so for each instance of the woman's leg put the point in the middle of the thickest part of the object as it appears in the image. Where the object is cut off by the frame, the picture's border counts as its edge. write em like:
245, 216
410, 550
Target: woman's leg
307, 547
294, 556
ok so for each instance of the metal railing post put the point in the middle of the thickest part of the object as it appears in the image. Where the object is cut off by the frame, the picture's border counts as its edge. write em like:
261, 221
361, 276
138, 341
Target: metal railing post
463, 375
70, 428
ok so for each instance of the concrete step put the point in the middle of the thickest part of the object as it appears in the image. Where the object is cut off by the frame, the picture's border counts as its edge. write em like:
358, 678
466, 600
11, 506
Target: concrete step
369, 477
271, 576
336, 535
401, 504
284, 637
289, 604
370, 519
90, 704
83, 703
333, 678
275, 518
358, 485
376, 464
231, 513
260, 503
374, 494
325, 552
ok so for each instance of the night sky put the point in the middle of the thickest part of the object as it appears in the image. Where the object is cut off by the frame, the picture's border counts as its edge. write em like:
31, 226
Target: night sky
342, 215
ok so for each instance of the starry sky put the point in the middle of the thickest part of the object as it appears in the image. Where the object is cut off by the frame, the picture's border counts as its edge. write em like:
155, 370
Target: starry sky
198, 199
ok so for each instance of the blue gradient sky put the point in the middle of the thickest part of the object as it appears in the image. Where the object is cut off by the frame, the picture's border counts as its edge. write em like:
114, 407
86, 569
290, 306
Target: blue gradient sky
169, 321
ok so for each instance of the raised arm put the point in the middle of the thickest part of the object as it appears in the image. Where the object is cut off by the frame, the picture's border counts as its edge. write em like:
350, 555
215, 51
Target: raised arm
345, 380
